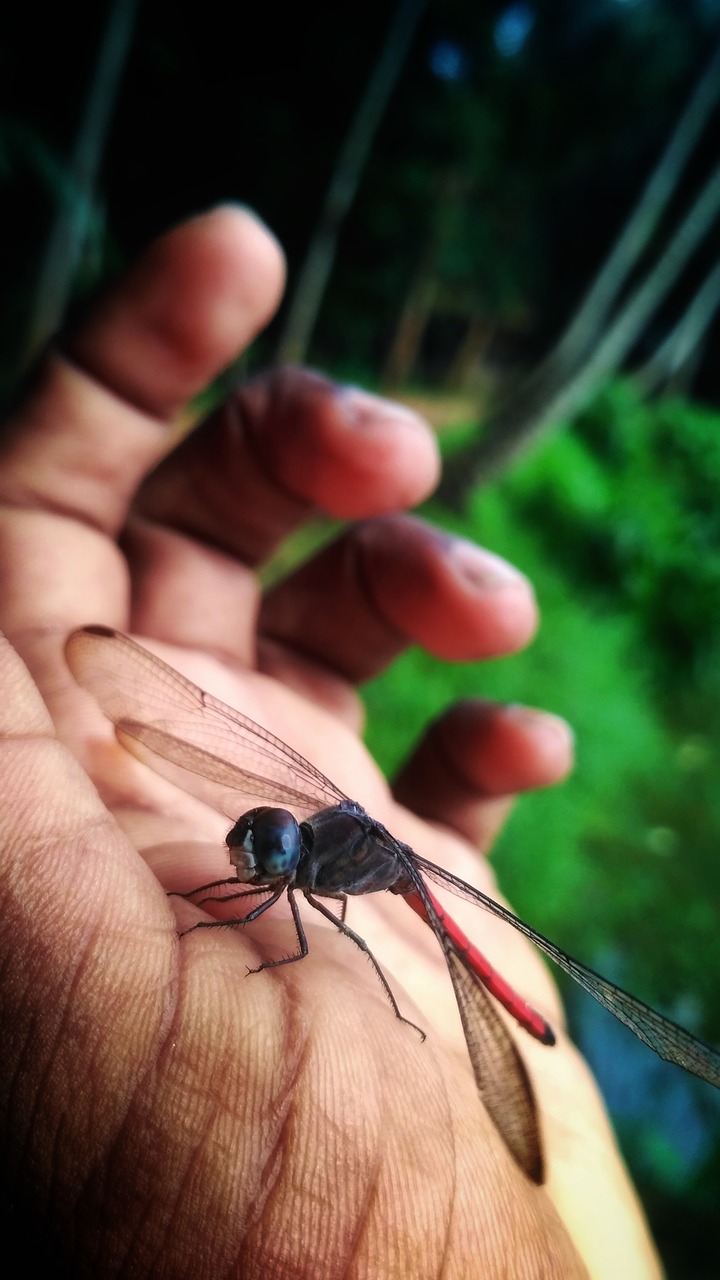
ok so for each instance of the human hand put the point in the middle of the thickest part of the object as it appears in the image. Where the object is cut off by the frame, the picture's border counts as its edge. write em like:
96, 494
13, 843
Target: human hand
169, 1115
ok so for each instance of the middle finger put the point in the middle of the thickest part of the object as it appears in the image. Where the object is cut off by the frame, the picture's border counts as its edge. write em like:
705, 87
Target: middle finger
289, 443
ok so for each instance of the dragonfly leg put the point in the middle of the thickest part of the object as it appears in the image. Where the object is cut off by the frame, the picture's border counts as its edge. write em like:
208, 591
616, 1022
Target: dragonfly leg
232, 897
201, 888
339, 922
299, 932
228, 924
342, 898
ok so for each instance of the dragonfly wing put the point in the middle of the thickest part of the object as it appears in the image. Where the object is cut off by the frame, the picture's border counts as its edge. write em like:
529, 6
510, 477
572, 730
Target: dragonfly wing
189, 737
669, 1040
223, 785
500, 1074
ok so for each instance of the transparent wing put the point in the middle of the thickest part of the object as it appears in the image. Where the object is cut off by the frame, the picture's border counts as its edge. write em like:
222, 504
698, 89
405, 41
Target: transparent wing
664, 1036
189, 737
500, 1074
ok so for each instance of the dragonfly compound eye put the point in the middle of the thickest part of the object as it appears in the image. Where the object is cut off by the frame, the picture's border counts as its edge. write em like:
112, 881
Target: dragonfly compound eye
265, 842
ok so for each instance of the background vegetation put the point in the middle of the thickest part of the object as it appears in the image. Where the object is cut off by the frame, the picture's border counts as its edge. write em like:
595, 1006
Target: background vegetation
500, 155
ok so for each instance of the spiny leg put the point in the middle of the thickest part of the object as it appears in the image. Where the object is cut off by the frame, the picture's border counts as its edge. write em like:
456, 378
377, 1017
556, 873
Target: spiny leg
342, 898
302, 950
201, 888
299, 932
363, 946
246, 892
252, 915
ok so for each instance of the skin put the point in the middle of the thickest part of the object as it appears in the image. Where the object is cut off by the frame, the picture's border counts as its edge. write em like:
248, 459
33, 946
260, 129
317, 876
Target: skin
165, 1114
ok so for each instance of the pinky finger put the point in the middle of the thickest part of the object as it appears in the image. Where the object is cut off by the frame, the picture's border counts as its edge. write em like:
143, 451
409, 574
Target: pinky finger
475, 758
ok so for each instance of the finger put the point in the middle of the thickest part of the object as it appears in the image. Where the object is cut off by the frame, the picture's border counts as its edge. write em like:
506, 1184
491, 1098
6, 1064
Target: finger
187, 307
91, 429
188, 593
288, 443
394, 582
475, 757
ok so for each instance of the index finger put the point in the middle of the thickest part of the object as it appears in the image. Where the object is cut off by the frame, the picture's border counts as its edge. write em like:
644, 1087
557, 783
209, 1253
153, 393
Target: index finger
97, 420
101, 415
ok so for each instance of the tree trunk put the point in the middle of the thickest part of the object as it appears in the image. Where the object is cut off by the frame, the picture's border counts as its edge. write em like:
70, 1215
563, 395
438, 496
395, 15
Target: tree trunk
592, 347
410, 329
465, 367
77, 202
590, 316
679, 348
315, 271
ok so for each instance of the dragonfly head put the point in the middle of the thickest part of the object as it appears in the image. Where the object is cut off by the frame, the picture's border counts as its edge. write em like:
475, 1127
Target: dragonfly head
265, 845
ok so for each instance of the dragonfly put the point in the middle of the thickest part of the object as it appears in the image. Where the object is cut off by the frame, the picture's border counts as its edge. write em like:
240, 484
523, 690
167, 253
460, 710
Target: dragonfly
307, 836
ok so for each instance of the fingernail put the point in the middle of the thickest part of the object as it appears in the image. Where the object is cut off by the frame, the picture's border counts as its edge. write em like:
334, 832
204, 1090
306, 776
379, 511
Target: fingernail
363, 409
481, 568
546, 720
